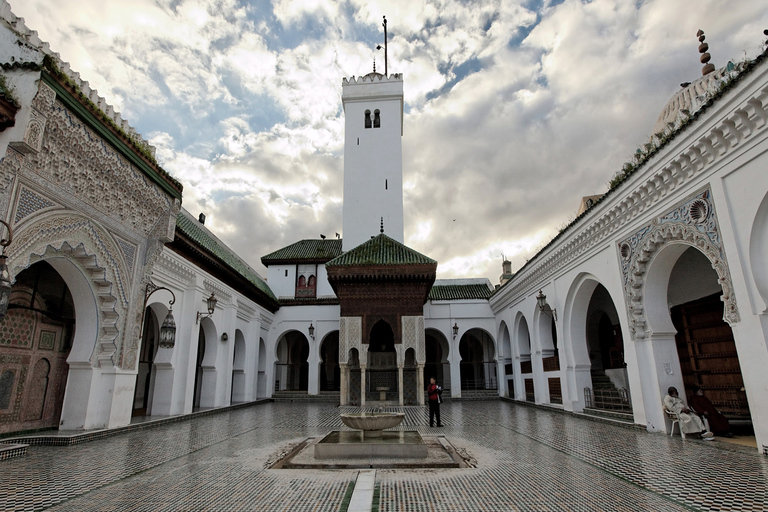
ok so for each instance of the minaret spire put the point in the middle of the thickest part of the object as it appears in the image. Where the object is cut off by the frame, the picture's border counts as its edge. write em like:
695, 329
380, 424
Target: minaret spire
385, 48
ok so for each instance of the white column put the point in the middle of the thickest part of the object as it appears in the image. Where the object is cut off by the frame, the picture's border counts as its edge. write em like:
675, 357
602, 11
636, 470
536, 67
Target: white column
420, 383
344, 389
400, 382
362, 384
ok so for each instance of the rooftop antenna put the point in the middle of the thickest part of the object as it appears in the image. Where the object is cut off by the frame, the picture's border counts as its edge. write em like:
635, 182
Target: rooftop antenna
378, 47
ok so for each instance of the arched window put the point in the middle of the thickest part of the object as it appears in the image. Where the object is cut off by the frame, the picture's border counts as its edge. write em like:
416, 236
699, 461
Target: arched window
311, 283
376, 119
368, 118
302, 282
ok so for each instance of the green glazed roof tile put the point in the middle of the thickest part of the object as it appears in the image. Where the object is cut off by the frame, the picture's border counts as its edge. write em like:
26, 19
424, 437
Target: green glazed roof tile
459, 292
316, 251
380, 250
190, 227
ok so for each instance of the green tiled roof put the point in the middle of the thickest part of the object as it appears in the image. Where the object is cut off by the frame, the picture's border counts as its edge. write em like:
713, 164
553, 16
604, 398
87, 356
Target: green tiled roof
459, 292
190, 227
314, 251
380, 250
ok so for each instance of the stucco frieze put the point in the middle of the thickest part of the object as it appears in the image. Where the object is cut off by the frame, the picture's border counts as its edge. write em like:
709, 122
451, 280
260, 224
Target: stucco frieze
178, 270
221, 292
664, 174
693, 222
78, 162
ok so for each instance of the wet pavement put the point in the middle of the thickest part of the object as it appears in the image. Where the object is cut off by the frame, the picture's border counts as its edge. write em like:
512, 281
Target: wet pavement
526, 459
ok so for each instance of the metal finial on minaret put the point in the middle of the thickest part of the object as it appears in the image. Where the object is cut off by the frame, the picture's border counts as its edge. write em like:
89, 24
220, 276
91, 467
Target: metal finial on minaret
374, 64
703, 47
385, 55
379, 47
382, 225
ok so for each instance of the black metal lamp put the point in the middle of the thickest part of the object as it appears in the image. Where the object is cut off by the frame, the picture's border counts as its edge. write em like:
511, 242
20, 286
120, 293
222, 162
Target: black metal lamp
543, 306
5, 274
168, 328
211, 303
311, 330
455, 330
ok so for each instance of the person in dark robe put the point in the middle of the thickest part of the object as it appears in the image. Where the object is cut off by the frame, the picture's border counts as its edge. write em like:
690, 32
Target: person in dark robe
701, 404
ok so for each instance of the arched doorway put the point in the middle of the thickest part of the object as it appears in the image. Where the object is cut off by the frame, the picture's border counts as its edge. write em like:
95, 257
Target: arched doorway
238, 368
705, 343
410, 379
199, 368
526, 366
292, 366
505, 343
382, 374
353, 361
605, 345
35, 339
436, 364
142, 396
330, 374
478, 365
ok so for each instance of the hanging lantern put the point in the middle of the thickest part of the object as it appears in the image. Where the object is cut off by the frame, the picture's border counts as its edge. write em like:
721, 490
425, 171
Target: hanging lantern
211, 303
168, 331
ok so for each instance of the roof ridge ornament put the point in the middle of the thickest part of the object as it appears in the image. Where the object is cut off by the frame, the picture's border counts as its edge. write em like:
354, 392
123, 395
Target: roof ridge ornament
379, 47
703, 47
382, 225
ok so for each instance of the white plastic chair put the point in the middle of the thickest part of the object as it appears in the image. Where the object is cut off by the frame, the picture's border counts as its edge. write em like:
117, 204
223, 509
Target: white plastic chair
675, 421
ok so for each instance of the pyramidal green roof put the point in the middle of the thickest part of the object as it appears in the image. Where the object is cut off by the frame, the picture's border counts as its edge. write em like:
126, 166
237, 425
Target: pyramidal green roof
310, 251
190, 227
380, 250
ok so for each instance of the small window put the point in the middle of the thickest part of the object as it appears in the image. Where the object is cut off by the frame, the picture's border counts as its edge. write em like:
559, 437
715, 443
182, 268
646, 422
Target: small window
376, 119
368, 118
386, 185
286, 272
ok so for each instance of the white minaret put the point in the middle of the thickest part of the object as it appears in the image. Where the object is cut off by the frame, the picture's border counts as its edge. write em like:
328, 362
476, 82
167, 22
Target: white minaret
373, 157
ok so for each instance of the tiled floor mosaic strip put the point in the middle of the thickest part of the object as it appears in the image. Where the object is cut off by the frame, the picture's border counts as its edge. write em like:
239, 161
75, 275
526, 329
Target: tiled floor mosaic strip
528, 459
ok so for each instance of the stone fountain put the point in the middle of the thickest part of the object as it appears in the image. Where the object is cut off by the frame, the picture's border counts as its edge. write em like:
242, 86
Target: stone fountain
371, 439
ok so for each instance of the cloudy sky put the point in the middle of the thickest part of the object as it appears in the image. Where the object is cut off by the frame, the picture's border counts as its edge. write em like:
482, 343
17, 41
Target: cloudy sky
514, 109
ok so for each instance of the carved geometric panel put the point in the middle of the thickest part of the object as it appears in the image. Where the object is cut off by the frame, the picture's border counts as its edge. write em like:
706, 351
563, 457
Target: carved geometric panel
29, 203
47, 340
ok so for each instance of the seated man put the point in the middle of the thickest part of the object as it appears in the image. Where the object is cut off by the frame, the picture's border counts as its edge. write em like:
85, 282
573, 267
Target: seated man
701, 404
689, 423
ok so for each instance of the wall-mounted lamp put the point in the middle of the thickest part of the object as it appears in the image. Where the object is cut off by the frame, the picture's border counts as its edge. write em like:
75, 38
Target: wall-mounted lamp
224, 337
544, 307
211, 302
168, 329
455, 330
311, 330
5, 274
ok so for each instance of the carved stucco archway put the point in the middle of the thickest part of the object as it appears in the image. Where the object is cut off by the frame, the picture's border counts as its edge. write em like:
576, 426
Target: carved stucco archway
693, 223
658, 238
89, 247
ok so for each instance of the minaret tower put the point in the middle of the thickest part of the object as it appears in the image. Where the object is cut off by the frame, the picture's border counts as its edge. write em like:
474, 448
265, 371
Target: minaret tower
373, 156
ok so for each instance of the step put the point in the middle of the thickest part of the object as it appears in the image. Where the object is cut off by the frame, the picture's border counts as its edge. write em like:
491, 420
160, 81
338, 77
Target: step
615, 415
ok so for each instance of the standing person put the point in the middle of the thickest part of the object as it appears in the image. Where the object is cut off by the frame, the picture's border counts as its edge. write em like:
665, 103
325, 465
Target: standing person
433, 393
718, 423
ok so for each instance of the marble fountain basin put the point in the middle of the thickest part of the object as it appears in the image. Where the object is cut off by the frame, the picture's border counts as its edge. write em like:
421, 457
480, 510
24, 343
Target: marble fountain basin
372, 423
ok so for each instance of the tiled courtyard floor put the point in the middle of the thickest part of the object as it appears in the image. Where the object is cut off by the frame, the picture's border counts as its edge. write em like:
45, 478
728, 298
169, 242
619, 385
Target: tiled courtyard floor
527, 459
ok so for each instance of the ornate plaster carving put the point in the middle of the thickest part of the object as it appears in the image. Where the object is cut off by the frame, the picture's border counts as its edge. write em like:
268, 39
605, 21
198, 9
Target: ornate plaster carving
350, 336
87, 256
78, 162
220, 291
692, 222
